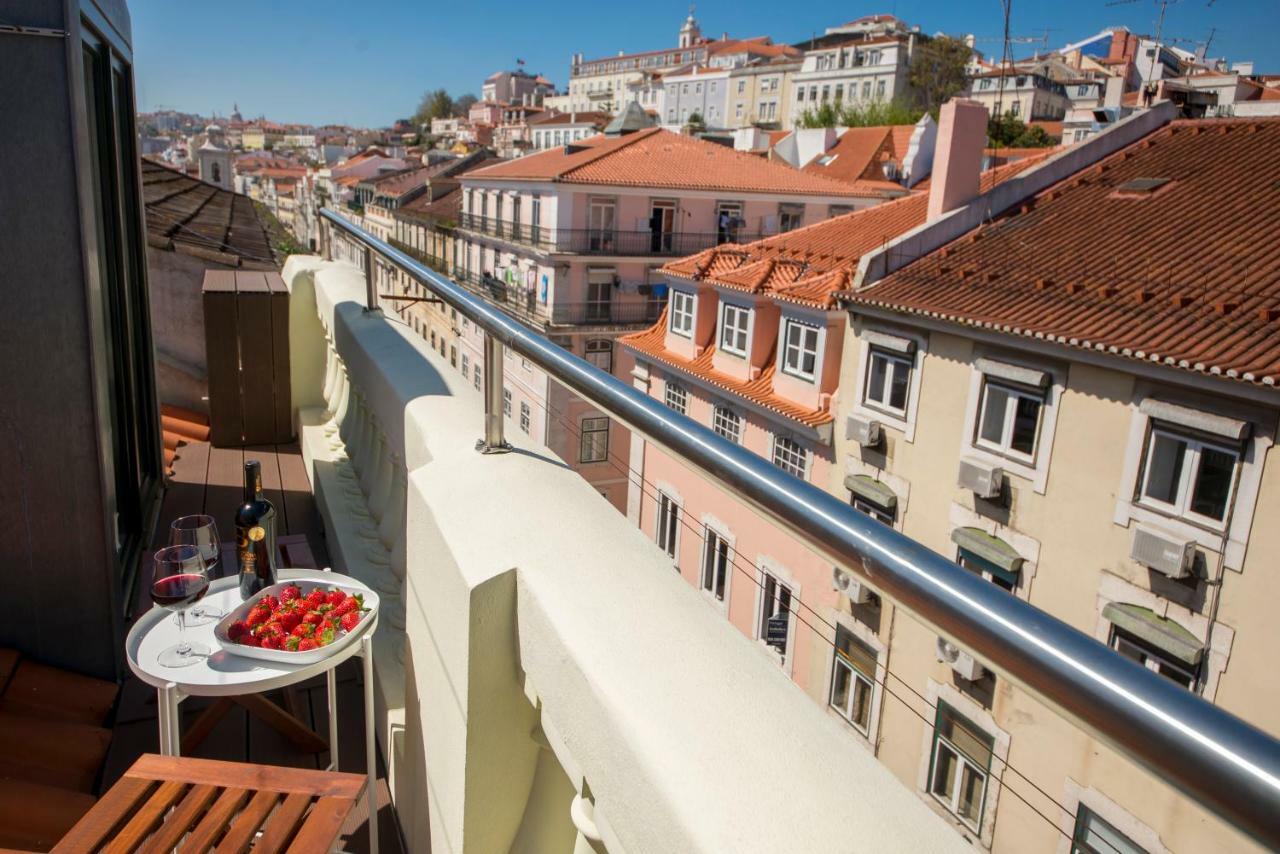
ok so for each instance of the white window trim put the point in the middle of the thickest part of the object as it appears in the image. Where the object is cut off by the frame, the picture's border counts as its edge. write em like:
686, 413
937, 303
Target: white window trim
900, 486
716, 409
980, 717
808, 454
1076, 795
721, 530
767, 564
819, 349
1248, 483
1037, 472
669, 385
693, 313
1004, 447
906, 425
1112, 588
1182, 509
669, 491
863, 633
751, 322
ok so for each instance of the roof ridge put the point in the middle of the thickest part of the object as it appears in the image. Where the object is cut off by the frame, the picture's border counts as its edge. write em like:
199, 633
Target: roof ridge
629, 140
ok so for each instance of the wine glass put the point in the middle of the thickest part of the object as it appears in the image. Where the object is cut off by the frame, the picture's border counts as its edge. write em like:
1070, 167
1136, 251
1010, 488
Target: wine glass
200, 531
179, 578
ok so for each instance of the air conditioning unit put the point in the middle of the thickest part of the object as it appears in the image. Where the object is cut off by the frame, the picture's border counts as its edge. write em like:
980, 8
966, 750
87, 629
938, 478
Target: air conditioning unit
981, 479
846, 583
865, 431
1165, 553
960, 661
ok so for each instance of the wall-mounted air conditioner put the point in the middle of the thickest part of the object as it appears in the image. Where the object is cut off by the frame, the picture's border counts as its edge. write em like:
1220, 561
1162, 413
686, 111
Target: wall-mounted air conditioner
1165, 553
865, 431
981, 479
960, 661
846, 583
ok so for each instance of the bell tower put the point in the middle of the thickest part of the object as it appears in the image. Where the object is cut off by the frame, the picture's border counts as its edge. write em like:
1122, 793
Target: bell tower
689, 32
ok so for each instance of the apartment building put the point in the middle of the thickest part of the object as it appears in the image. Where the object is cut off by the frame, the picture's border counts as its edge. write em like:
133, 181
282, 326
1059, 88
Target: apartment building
1095, 439
552, 130
1023, 94
856, 66
570, 240
381, 196
760, 93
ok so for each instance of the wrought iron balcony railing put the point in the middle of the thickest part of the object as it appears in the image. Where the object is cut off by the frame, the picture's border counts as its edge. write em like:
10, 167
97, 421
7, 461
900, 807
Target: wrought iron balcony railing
604, 241
1227, 765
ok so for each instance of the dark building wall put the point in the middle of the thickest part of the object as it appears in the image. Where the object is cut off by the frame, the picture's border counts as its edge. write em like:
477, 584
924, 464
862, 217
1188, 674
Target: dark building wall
59, 581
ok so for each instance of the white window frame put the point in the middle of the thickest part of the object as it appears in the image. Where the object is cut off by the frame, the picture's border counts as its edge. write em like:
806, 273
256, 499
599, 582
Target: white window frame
526, 416
963, 763
1004, 447
506, 402
684, 308
895, 363
905, 422
727, 423
769, 570
856, 678
1181, 508
799, 350
676, 397
1153, 659
593, 429
735, 322
594, 356
714, 533
797, 448
666, 524
1037, 472
475, 371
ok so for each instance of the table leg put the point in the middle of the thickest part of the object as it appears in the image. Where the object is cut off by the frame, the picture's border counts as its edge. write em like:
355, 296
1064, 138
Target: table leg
167, 699
331, 678
370, 745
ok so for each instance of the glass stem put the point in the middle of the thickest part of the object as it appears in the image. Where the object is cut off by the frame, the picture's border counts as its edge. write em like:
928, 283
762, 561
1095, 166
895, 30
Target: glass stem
184, 648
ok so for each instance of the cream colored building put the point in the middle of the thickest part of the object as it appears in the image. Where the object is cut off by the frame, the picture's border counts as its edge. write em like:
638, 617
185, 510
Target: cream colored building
760, 94
1101, 440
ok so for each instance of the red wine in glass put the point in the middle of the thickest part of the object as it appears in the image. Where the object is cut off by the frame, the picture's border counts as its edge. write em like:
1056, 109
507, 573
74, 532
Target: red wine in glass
176, 592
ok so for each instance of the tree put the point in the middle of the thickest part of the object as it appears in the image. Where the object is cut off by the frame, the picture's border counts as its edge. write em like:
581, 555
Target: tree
435, 104
1009, 131
937, 71
462, 105
873, 114
695, 124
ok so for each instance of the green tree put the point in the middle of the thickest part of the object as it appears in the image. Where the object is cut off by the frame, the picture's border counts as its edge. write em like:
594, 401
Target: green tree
873, 114
462, 105
825, 116
695, 124
937, 71
1009, 131
435, 104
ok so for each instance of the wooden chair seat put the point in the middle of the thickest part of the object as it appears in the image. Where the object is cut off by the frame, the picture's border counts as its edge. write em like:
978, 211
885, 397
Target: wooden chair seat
52, 752
35, 817
47, 692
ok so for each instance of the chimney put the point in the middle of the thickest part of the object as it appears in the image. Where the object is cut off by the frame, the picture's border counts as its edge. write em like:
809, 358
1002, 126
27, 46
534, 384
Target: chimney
1113, 94
957, 159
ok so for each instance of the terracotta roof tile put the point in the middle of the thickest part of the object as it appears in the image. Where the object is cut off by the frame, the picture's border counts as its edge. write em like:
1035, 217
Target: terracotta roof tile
659, 158
1186, 275
185, 212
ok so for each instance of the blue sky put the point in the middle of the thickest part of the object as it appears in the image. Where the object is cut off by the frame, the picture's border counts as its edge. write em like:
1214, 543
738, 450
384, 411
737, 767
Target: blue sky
368, 63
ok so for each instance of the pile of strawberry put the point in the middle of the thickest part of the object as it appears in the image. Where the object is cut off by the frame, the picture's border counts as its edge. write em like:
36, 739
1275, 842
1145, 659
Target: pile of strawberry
298, 623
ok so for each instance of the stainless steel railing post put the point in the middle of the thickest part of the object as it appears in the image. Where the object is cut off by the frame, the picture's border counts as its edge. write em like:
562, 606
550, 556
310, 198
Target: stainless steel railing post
370, 280
493, 441
326, 251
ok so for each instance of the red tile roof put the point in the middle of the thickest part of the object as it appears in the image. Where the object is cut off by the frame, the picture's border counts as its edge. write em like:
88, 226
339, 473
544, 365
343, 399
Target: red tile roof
659, 158
859, 155
1187, 275
808, 266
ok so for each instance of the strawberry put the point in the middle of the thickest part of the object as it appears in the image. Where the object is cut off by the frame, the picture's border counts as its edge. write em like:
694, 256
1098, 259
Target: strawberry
250, 640
290, 593
306, 644
348, 605
327, 636
291, 643
289, 620
260, 614
312, 617
303, 630
349, 620
315, 598
335, 597
271, 602
237, 630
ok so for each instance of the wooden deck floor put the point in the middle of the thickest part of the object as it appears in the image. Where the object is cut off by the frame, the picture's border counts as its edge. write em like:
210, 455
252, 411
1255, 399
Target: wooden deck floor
209, 480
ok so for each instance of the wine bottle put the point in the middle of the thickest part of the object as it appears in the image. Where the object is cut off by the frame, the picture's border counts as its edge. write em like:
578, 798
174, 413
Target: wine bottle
255, 534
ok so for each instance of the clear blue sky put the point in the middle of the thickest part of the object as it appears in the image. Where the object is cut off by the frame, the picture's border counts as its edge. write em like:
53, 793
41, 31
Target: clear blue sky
367, 63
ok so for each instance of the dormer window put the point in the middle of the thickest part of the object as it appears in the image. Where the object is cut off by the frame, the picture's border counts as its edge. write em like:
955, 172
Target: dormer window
735, 326
682, 307
800, 350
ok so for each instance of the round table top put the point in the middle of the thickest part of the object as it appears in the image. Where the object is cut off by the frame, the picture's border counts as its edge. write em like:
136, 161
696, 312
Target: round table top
223, 673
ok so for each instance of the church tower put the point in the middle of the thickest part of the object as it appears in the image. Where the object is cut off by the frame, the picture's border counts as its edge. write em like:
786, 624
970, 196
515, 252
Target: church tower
689, 33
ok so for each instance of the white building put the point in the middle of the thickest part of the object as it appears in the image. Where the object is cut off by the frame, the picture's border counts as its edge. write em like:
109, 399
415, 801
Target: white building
847, 68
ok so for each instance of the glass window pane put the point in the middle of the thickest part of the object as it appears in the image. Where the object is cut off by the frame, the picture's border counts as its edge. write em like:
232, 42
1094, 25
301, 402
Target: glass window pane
877, 378
1026, 418
898, 392
861, 712
970, 741
841, 681
944, 772
971, 785
993, 409
1095, 836
1213, 483
1164, 467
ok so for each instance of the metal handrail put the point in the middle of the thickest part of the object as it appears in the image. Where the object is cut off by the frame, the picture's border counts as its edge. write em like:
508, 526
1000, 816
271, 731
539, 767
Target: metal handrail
1204, 751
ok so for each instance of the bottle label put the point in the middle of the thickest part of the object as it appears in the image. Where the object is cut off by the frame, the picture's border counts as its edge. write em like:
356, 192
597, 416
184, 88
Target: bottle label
256, 533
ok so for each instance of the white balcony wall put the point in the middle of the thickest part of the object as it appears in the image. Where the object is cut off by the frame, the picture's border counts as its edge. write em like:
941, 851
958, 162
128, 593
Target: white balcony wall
545, 682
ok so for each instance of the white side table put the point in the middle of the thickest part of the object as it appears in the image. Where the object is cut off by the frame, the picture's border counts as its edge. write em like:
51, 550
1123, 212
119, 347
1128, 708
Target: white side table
223, 674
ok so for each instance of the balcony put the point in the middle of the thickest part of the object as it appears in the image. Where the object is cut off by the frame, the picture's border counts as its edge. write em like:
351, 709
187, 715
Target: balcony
603, 241
520, 656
